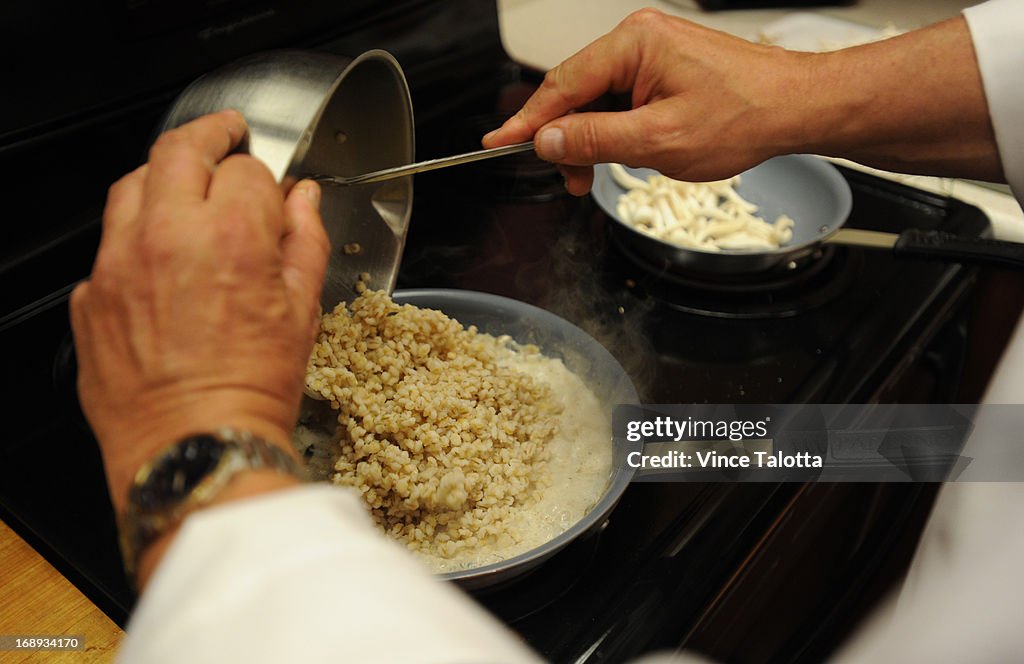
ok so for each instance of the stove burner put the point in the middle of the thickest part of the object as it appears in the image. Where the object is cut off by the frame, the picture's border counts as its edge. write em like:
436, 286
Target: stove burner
784, 294
789, 277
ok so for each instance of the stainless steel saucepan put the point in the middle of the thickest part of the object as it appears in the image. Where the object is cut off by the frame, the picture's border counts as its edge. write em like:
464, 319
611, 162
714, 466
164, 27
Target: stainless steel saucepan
320, 113
342, 122
818, 199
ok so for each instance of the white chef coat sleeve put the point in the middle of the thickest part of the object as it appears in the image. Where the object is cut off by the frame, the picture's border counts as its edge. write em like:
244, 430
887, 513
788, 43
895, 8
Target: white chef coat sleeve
961, 601
303, 575
997, 30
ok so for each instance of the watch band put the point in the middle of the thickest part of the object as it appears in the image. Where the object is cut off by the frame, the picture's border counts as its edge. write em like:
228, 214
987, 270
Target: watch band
187, 475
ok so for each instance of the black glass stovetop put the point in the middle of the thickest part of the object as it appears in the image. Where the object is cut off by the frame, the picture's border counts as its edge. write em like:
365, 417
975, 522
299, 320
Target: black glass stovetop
839, 329
674, 561
843, 332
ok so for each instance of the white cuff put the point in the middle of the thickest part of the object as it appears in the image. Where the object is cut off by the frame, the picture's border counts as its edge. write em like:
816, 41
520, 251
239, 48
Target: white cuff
303, 575
997, 29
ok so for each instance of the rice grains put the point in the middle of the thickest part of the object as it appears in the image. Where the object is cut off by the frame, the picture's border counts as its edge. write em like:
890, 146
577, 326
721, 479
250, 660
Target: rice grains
441, 434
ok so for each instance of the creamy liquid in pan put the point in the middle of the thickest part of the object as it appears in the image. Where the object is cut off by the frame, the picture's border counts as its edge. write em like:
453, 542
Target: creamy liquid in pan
575, 475
578, 469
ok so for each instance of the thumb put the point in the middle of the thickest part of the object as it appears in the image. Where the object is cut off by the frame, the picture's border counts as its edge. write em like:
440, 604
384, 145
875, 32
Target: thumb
304, 247
585, 139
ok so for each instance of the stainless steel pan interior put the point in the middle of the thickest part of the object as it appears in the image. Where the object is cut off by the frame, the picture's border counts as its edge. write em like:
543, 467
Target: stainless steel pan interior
320, 113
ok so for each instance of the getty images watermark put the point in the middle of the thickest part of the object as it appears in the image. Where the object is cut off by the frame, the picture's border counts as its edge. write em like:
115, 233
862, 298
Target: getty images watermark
820, 442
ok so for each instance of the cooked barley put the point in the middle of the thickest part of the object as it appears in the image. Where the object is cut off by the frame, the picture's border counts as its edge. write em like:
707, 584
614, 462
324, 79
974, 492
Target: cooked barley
444, 433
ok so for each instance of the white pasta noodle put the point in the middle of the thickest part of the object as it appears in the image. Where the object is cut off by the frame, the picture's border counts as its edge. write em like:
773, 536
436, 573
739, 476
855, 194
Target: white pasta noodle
708, 215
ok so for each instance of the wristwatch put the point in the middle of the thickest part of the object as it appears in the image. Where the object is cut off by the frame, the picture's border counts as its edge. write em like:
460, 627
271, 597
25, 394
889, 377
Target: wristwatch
187, 475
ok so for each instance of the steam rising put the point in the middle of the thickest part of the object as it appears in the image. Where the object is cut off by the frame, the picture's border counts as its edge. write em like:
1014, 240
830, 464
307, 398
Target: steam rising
616, 319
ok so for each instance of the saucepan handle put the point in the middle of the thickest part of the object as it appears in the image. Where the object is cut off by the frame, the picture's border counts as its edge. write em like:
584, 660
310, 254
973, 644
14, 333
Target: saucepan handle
946, 246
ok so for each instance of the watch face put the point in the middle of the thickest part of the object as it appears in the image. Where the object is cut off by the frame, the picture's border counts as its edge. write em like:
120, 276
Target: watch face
174, 475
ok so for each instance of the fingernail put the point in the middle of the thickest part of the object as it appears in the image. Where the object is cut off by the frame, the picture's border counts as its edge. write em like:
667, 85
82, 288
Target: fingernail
551, 144
234, 117
489, 135
311, 190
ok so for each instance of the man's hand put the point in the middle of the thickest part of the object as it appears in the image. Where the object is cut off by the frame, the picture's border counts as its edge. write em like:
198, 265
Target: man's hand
201, 308
705, 105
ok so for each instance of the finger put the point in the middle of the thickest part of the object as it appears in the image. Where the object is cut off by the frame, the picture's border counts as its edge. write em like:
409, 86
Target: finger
304, 247
182, 161
608, 64
584, 139
578, 179
244, 183
124, 200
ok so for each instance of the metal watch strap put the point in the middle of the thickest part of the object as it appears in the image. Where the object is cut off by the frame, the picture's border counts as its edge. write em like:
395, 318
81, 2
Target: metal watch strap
261, 454
243, 451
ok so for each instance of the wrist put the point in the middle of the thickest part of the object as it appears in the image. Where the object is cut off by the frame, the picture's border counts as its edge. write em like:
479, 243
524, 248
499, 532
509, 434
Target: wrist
813, 105
839, 104
912, 103
136, 439
191, 475
247, 485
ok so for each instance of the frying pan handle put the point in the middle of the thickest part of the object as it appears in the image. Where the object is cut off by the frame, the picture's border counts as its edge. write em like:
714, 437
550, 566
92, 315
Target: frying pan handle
939, 245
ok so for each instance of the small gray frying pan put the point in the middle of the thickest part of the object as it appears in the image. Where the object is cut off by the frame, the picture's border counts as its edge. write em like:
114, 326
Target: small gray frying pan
818, 199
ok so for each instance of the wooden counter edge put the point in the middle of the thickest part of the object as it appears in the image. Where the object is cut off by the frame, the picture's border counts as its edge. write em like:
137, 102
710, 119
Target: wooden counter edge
37, 600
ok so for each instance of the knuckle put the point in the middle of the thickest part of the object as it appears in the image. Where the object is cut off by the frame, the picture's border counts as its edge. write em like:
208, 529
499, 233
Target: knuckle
155, 250
588, 142
78, 295
169, 142
556, 83
116, 190
111, 257
643, 19
104, 270
253, 182
160, 240
127, 182
550, 81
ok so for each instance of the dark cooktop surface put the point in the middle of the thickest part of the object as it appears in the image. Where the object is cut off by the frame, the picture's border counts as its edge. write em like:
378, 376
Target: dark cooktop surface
744, 572
827, 332
842, 332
